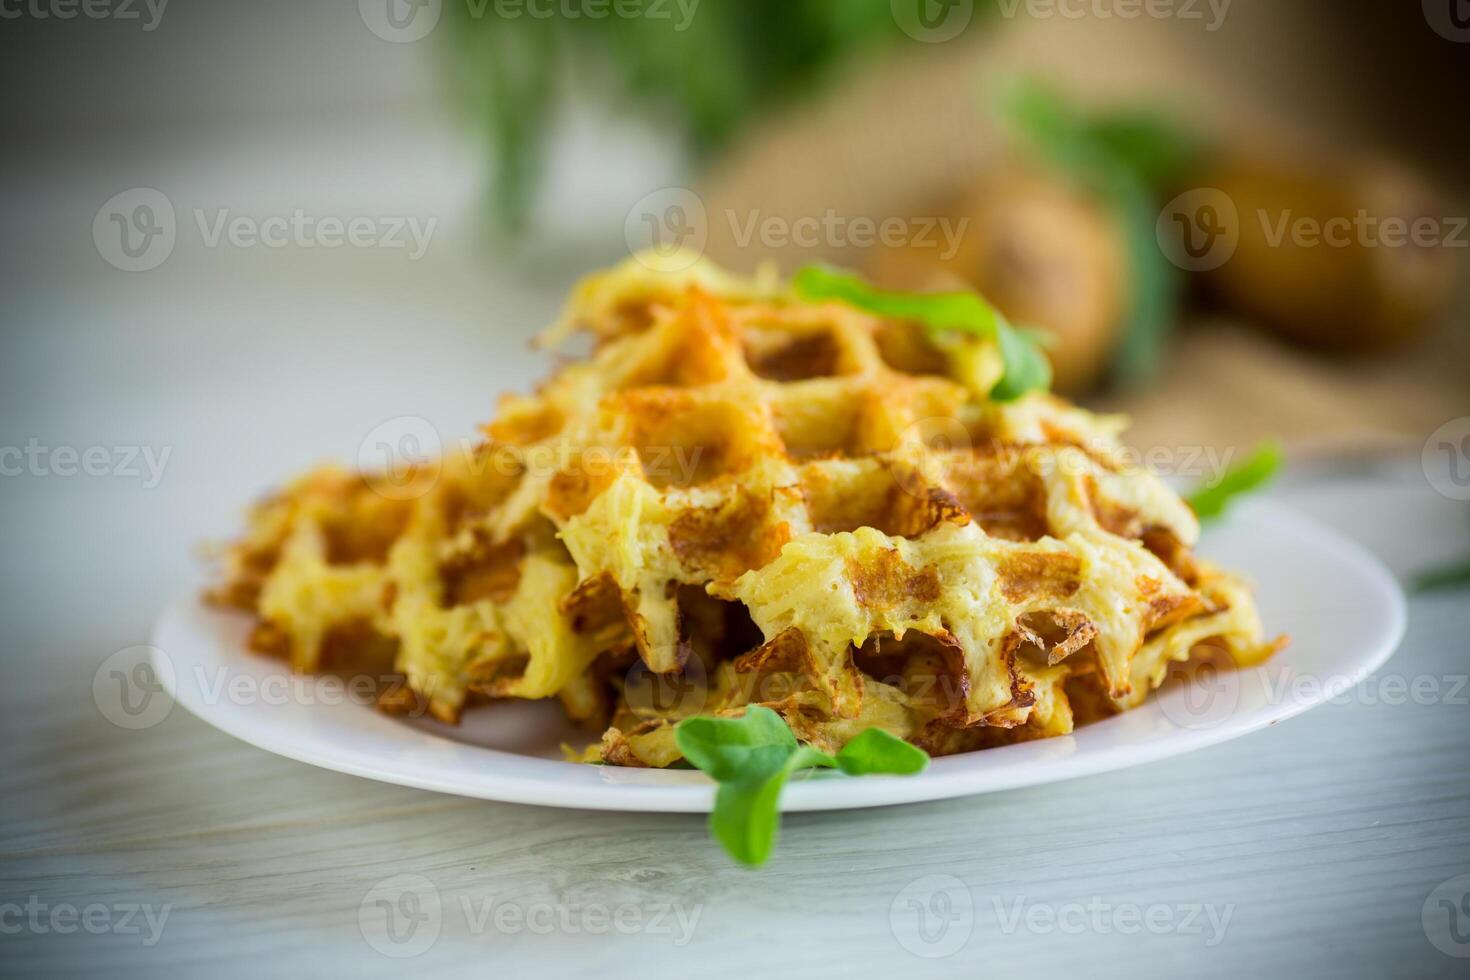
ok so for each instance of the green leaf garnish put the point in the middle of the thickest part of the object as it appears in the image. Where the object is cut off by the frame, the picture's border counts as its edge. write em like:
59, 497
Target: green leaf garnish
746, 817
1209, 502
1443, 579
1025, 365
752, 756
877, 751
730, 748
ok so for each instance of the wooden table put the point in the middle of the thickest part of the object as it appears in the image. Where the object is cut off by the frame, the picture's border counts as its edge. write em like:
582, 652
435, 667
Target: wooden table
1309, 849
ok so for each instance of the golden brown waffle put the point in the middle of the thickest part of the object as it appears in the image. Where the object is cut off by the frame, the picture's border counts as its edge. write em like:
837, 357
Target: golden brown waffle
742, 498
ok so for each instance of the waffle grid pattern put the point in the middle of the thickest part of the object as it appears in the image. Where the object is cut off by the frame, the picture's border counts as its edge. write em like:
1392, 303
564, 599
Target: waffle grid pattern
740, 498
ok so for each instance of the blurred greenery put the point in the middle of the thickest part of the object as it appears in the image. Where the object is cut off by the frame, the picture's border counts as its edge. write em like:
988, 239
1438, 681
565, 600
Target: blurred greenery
1443, 579
1254, 472
1129, 158
709, 73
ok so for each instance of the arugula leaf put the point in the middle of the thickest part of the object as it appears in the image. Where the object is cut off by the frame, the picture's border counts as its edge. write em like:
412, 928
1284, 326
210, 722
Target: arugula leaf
730, 748
877, 751
1443, 579
1258, 469
752, 756
1025, 365
746, 818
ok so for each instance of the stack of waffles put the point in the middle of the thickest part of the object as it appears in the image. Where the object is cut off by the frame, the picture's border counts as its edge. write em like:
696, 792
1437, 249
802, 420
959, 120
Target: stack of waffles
743, 498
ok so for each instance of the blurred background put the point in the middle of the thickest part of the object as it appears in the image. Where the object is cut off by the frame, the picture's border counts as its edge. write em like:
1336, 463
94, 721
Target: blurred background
1237, 219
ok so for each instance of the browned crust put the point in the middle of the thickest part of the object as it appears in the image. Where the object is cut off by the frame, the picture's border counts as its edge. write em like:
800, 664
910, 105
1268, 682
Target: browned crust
490, 571
1039, 574
730, 539
886, 581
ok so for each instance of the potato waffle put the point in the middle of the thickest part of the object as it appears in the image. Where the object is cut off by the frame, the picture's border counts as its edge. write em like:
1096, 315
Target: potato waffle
741, 498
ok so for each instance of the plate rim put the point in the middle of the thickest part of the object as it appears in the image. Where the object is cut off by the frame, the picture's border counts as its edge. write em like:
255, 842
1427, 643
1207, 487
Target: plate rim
609, 788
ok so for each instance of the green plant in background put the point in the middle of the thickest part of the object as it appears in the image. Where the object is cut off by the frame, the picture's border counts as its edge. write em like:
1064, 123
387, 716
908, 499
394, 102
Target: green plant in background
1446, 579
709, 67
752, 756
1129, 158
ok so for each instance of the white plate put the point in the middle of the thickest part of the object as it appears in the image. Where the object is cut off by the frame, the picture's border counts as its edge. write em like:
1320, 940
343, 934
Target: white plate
1344, 612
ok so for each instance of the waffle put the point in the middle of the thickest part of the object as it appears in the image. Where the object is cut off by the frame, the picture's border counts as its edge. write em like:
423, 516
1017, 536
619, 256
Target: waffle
740, 498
